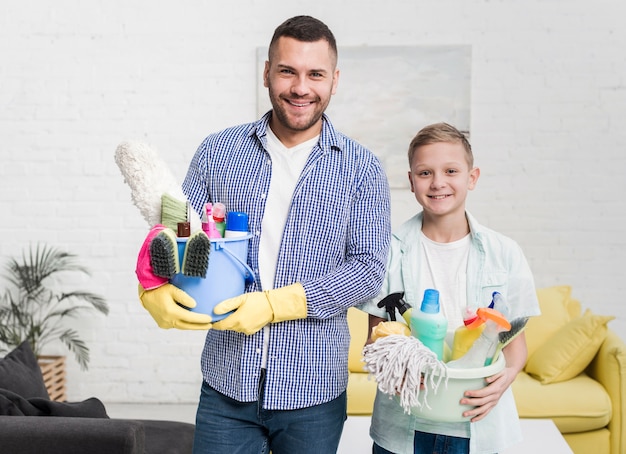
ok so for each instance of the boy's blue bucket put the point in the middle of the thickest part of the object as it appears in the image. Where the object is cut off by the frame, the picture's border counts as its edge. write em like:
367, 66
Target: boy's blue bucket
226, 276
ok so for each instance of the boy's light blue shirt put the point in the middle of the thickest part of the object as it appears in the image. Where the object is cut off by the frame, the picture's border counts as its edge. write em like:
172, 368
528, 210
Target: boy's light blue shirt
495, 263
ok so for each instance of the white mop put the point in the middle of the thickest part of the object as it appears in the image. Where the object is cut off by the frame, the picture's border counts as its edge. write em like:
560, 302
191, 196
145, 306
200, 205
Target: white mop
400, 364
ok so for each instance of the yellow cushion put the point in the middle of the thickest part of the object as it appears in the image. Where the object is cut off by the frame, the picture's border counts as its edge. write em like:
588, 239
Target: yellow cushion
555, 304
569, 350
577, 405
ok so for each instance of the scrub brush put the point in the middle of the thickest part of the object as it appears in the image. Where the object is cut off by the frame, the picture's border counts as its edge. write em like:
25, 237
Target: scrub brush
196, 257
164, 254
173, 211
506, 337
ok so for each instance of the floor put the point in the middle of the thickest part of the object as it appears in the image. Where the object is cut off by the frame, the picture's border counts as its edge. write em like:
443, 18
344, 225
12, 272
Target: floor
540, 435
355, 438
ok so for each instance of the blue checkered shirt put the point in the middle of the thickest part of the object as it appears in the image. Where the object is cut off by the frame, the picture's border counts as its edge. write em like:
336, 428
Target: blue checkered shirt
335, 243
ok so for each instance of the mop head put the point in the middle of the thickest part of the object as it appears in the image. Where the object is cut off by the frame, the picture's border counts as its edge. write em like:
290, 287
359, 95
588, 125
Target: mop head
149, 179
400, 364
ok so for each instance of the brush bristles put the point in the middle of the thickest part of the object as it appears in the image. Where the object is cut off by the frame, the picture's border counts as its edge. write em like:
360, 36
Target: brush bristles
196, 257
517, 325
164, 254
173, 211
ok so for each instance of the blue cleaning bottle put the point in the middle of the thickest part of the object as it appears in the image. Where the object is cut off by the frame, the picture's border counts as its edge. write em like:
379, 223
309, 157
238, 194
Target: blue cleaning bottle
236, 224
428, 324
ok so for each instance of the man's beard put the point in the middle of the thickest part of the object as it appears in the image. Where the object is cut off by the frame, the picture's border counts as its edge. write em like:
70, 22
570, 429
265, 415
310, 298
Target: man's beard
301, 123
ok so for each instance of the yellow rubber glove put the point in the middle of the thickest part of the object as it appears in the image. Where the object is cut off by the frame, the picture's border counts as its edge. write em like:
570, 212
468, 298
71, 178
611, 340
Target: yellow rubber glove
385, 329
162, 301
255, 310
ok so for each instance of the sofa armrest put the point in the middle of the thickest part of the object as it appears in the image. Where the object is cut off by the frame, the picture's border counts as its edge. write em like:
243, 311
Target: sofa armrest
63, 435
609, 369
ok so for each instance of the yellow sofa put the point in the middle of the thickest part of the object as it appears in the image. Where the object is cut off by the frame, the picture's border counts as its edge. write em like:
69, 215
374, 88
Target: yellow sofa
361, 387
575, 374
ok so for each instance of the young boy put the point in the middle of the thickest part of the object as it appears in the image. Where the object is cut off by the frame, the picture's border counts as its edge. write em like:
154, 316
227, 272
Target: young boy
444, 248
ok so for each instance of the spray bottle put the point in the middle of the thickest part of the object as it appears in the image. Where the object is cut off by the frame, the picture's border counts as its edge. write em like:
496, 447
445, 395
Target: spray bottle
466, 334
219, 215
428, 324
393, 302
473, 326
208, 224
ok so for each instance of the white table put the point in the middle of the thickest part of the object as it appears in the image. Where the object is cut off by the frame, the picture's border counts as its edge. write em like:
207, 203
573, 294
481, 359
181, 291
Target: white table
540, 437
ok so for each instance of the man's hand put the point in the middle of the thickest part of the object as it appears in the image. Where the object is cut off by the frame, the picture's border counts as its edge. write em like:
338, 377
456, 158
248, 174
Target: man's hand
256, 309
162, 303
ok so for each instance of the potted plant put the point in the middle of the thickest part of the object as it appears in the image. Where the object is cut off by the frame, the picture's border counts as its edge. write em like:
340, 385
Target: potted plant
35, 307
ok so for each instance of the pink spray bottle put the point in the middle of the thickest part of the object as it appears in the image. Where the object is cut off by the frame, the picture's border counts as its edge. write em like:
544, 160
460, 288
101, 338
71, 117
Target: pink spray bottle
208, 223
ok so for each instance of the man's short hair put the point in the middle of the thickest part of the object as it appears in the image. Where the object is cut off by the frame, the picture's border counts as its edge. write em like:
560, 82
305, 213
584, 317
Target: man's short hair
306, 29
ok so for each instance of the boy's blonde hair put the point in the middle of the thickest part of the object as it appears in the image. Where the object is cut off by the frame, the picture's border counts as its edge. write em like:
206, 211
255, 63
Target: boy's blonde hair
440, 132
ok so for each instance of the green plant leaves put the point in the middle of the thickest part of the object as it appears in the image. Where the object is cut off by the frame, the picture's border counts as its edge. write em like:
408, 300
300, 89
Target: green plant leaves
35, 307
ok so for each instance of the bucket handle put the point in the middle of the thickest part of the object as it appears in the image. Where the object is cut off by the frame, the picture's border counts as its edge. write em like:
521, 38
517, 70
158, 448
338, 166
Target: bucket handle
248, 273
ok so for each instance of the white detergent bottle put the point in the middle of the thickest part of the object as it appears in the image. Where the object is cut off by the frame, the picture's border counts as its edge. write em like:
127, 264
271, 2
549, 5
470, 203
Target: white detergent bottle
428, 324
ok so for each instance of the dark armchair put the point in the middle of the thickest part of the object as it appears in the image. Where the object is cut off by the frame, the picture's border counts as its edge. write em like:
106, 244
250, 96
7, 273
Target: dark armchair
30, 423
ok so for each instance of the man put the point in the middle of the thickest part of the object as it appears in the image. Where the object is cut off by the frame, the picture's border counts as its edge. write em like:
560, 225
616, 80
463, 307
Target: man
275, 371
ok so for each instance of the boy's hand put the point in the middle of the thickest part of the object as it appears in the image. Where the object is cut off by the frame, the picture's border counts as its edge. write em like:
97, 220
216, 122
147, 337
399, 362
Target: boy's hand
488, 397
373, 322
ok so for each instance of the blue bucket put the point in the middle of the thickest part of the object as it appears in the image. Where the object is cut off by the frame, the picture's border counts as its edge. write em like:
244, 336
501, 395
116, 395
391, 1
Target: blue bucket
226, 277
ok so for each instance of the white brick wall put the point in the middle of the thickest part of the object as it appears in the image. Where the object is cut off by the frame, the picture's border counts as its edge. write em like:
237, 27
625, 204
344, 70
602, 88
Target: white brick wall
548, 95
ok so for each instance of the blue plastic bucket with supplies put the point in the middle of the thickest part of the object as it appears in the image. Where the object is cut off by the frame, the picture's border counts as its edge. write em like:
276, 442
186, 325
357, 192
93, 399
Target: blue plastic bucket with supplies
226, 277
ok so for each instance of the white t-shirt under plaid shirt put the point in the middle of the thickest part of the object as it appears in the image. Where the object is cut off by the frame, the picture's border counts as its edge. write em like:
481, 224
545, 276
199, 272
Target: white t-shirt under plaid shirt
335, 243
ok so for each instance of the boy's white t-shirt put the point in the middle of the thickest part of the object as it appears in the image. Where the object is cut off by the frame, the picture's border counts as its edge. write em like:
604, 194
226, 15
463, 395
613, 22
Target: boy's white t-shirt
446, 271
287, 165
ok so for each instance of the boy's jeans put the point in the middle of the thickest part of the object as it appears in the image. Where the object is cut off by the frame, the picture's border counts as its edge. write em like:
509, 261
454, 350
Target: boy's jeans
426, 443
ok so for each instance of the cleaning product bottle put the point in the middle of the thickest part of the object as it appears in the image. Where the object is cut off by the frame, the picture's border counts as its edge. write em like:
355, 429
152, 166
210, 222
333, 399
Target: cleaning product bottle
428, 324
236, 224
208, 223
466, 334
395, 301
219, 215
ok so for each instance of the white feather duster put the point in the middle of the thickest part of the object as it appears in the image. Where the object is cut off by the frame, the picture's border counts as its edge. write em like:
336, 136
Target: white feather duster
149, 178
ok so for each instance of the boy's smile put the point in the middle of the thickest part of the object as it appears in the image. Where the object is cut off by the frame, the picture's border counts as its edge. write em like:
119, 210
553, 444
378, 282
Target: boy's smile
438, 197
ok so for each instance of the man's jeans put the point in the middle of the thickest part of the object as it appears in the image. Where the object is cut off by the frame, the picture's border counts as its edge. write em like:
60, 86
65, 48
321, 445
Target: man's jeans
224, 425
